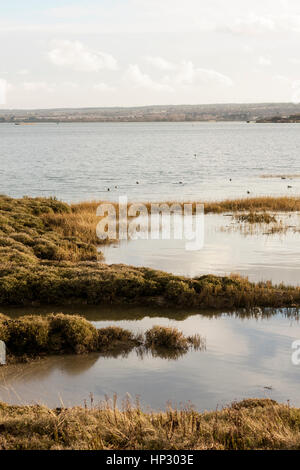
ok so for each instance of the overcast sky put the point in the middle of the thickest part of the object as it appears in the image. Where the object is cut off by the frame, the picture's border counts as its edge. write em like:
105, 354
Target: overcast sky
68, 53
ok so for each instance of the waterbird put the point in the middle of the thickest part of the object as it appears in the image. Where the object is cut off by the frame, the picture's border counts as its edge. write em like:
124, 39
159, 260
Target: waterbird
289, 187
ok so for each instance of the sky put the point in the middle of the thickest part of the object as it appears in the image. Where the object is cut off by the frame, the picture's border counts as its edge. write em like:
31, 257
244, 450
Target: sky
98, 53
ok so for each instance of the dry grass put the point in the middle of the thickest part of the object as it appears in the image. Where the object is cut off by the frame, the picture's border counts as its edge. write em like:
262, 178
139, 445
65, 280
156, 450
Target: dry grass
267, 203
81, 221
256, 218
161, 337
284, 204
250, 424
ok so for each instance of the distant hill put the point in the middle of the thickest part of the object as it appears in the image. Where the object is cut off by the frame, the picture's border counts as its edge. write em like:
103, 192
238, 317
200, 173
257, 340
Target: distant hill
294, 118
262, 112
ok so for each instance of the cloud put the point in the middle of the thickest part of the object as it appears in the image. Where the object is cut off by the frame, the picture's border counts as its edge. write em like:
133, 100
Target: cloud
186, 75
76, 56
264, 61
251, 25
189, 74
140, 79
160, 63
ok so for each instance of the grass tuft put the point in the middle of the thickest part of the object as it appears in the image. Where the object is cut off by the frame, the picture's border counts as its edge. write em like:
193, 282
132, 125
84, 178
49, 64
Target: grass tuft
248, 425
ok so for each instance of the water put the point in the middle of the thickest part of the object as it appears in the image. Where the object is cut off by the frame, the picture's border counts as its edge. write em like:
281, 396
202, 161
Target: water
79, 161
257, 255
244, 357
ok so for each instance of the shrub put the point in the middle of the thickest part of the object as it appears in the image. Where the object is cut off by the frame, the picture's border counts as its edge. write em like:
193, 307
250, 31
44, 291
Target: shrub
27, 335
163, 337
71, 333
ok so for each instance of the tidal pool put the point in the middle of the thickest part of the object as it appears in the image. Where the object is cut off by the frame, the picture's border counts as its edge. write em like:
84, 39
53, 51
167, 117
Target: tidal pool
248, 250
245, 356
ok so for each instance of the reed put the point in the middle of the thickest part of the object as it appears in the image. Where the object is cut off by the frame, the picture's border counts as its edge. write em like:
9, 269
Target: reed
247, 425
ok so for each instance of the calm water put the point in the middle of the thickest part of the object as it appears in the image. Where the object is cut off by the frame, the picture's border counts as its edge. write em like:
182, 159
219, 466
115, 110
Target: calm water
244, 357
226, 250
81, 161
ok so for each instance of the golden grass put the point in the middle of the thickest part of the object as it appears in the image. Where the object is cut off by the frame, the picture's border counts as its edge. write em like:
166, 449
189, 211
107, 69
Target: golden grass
250, 424
81, 221
283, 203
256, 218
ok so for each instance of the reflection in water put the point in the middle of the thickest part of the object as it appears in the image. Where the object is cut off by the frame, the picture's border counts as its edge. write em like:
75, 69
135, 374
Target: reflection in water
244, 354
114, 313
259, 256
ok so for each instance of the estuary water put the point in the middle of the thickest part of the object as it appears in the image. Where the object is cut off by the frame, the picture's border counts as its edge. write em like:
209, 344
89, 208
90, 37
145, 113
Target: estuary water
229, 247
244, 357
148, 161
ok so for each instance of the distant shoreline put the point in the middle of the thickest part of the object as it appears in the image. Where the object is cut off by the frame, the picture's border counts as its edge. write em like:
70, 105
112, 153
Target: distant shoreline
261, 112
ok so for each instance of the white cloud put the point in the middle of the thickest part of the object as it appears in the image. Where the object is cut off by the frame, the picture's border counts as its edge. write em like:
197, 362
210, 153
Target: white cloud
103, 87
160, 63
264, 61
186, 75
250, 25
76, 56
140, 79
189, 74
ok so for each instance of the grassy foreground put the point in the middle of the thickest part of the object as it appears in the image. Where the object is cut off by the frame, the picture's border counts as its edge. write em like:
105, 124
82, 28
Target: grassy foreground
250, 424
48, 255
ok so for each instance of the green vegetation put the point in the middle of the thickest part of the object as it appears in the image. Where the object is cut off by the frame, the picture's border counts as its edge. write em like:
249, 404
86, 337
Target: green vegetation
49, 258
31, 336
250, 424
27, 237
160, 337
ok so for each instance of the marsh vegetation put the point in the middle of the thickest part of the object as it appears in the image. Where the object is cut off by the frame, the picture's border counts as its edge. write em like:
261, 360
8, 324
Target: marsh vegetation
32, 336
44, 263
246, 425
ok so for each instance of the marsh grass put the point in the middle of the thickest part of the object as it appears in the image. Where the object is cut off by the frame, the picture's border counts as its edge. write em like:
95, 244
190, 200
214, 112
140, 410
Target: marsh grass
28, 237
161, 337
81, 221
32, 336
256, 218
250, 424
49, 258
